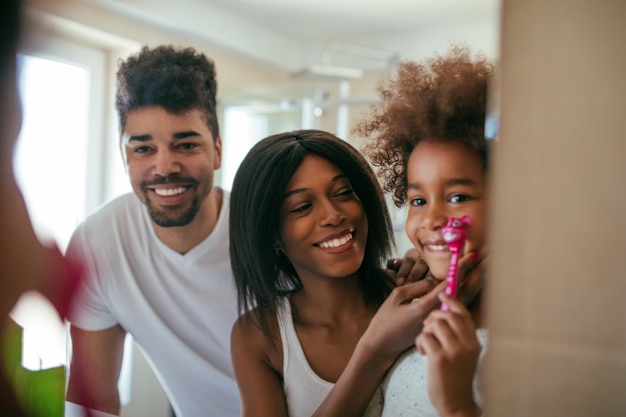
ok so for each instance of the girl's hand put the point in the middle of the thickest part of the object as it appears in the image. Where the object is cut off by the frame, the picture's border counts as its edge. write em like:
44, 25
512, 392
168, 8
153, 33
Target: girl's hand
449, 340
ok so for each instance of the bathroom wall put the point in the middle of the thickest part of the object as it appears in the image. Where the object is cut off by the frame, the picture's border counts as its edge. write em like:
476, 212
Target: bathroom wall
556, 290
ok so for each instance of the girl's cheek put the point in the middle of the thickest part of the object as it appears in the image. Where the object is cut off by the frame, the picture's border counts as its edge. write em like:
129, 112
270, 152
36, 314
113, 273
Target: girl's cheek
474, 244
410, 229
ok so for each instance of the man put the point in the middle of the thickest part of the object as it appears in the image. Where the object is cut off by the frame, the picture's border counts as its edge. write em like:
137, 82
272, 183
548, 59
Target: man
158, 257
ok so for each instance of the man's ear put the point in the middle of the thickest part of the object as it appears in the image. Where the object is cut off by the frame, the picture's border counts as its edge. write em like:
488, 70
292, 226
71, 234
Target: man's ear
217, 161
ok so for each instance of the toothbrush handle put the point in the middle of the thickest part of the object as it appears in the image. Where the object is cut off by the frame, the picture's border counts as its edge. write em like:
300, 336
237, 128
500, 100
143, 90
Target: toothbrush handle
452, 278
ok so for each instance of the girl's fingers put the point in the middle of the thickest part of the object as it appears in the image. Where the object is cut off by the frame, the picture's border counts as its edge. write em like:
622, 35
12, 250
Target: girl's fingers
455, 305
454, 326
427, 344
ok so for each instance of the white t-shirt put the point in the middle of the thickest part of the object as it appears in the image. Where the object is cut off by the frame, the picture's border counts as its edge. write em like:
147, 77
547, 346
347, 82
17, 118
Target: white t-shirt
405, 387
180, 309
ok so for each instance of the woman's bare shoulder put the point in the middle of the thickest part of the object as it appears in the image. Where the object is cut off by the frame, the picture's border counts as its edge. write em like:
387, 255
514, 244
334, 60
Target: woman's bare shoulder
249, 335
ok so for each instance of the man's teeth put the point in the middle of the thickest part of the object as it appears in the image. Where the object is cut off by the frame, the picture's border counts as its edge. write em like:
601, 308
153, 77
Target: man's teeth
171, 191
336, 242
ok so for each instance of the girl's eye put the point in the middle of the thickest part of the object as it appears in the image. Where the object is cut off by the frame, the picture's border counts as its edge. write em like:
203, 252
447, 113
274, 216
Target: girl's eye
417, 201
458, 198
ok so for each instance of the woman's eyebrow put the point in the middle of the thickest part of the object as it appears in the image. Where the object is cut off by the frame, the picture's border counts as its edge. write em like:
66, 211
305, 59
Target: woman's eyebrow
300, 190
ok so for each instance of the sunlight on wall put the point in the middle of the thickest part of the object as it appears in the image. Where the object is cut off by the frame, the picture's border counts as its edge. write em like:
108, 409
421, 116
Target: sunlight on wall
51, 154
242, 129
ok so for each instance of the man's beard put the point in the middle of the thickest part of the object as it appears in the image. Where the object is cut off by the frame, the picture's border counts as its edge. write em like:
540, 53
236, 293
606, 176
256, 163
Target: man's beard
165, 219
169, 218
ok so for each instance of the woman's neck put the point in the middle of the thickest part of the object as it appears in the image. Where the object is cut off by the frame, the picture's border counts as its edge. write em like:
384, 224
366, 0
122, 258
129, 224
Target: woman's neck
331, 301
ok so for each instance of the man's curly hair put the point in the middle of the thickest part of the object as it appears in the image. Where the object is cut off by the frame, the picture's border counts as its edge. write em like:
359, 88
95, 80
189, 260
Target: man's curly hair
176, 79
442, 99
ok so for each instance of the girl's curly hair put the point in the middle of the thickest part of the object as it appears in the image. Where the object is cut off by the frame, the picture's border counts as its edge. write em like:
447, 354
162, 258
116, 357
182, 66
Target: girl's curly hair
442, 99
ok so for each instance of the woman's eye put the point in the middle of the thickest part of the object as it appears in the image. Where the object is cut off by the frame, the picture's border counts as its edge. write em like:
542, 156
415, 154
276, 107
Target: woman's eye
346, 193
458, 198
417, 202
300, 208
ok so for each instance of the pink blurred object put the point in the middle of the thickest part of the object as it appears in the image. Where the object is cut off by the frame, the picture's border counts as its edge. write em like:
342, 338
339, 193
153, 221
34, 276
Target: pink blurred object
66, 275
454, 234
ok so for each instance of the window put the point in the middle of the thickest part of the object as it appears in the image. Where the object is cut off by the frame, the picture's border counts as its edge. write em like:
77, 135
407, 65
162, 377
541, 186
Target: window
59, 166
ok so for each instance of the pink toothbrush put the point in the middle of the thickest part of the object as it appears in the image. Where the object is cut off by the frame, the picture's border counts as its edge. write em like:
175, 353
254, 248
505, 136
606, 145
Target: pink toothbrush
454, 234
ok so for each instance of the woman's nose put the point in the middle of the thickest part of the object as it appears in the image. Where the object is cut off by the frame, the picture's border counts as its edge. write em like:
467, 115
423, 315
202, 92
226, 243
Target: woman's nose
332, 216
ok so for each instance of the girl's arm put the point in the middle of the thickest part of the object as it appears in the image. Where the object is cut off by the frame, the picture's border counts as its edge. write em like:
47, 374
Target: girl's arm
258, 380
449, 340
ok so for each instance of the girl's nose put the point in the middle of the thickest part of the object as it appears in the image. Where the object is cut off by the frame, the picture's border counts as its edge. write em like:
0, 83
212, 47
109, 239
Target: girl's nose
433, 217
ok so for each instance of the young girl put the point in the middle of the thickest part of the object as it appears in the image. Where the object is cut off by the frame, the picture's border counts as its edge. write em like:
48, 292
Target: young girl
431, 152
309, 233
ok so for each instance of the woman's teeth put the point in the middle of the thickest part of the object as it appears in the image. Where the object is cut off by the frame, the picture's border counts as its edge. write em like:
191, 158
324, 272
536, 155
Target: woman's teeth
336, 242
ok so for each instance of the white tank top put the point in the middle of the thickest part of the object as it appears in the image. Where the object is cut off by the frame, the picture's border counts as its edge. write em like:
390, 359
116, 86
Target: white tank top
304, 389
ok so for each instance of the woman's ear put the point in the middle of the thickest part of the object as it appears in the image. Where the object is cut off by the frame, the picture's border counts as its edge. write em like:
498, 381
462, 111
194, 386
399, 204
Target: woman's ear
277, 245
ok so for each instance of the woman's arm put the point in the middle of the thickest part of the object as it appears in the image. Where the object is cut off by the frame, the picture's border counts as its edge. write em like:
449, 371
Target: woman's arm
257, 377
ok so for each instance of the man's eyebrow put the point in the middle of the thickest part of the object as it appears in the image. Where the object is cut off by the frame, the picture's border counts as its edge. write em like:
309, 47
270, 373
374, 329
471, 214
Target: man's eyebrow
139, 138
185, 134
176, 136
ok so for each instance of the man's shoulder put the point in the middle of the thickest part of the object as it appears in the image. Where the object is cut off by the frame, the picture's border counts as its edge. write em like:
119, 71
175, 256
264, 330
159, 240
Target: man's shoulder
119, 207
225, 196
114, 216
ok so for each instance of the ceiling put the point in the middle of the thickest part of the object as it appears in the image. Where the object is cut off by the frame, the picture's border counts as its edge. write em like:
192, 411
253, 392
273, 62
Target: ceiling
297, 34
